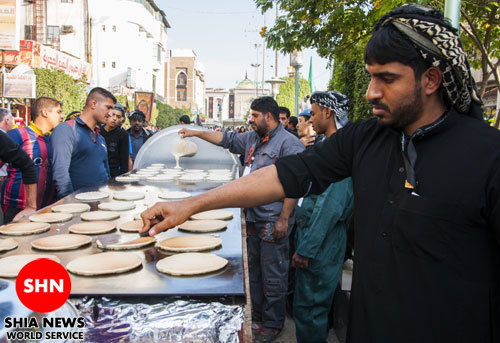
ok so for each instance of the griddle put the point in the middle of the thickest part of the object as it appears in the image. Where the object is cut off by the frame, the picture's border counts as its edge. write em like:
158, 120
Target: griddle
146, 280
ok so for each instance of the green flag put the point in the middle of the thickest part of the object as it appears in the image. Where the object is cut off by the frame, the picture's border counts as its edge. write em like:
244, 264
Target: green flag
311, 84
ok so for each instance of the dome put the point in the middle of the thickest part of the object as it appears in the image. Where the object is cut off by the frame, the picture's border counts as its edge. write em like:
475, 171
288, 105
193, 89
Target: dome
246, 84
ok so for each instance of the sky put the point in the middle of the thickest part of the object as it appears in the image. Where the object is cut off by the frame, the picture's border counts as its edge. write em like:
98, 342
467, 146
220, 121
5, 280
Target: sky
223, 33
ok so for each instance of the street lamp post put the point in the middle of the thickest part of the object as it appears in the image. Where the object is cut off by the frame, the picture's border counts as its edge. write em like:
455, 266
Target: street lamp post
296, 62
275, 85
256, 66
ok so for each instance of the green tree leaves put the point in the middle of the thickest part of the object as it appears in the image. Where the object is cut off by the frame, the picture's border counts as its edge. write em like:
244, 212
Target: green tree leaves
286, 97
57, 84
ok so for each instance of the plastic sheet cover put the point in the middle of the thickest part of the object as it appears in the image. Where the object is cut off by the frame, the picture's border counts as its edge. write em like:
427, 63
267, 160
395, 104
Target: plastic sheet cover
159, 320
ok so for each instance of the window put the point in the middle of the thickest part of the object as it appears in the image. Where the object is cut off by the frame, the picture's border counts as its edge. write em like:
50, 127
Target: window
29, 32
181, 86
53, 33
114, 28
113, 64
154, 83
158, 53
67, 1
104, 64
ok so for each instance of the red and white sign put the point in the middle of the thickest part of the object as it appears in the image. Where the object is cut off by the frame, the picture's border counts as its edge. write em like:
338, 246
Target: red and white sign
43, 285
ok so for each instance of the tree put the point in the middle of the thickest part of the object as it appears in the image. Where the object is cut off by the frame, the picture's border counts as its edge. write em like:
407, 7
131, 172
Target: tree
57, 84
339, 30
286, 97
168, 116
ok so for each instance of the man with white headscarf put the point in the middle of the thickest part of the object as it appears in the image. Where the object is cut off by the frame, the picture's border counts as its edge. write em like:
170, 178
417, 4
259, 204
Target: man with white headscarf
320, 239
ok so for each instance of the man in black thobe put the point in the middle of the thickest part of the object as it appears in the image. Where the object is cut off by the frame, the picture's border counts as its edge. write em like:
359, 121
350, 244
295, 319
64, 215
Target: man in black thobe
426, 178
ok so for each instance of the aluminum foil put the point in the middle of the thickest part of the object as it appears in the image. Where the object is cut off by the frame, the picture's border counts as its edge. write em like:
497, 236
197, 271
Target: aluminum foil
159, 320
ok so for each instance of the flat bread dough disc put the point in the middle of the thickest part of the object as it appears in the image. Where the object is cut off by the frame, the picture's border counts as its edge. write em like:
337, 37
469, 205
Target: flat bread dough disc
11, 265
190, 243
52, 217
127, 178
133, 226
219, 171
128, 196
203, 225
214, 214
157, 165
219, 178
7, 244
128, 245
91, 196
116, 206
191, 264
174, 195
24, 228
71, 208
192, 177
194, 171
113, 262
61, 242
99, 215
92, 228
160, 178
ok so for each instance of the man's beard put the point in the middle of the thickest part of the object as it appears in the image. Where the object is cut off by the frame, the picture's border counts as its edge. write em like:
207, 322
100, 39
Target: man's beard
261, 129
406, 113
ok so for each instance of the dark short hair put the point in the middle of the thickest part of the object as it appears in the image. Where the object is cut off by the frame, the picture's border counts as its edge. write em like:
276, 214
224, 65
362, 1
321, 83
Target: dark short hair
185, 119
266, 104
294, 121
121, 108
137, 115
42, 103
4, 112
283, 109
97, 93
389, 45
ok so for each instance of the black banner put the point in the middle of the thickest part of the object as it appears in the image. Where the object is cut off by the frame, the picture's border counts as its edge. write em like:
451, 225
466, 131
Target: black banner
210, 107
231, 106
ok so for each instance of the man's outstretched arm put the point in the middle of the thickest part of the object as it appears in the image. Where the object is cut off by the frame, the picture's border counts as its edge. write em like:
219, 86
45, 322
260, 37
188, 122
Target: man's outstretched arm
213, 137
258, 188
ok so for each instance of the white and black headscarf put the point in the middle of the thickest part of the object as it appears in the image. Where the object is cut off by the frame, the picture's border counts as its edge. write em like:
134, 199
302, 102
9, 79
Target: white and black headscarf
439, 46
335, 101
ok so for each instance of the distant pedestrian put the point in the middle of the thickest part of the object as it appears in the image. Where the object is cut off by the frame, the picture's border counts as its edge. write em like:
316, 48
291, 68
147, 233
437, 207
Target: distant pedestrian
292, 125
117, 141
6, 122
184, 120
285, 119
137, 132
80, 155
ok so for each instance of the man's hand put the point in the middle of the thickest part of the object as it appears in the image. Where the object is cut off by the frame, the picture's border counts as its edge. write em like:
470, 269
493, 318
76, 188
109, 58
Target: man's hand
308, 141
24, 213
187, 133
300, 261
280, 229
163, 216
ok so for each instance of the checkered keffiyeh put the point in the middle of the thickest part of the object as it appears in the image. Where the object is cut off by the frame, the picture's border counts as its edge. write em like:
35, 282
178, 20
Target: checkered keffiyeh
335, 101
439, 46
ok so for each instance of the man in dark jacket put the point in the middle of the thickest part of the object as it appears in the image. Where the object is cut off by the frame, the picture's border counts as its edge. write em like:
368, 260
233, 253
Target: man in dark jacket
117, 141
138, 134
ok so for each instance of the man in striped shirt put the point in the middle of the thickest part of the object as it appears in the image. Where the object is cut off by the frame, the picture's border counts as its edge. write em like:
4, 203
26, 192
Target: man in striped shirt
46, 114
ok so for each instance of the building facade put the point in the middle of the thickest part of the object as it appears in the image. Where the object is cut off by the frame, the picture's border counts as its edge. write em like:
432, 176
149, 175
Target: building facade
185, 80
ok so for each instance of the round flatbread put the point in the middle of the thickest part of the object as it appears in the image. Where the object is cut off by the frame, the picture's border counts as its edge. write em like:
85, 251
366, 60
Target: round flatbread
128, 196
190, 243
61, 242
128, 245
203, 225
10, 266
24, 228
219, 171
146, 171
104, 263
220, 178
193, 171
91, 196
133, 226
116, 206
160, 178
53, 217
71, 208
191, 178
191, 264
7, 244
174, 195
172, 170
92, 228
157, 165
127, 178
99, 215
214, 214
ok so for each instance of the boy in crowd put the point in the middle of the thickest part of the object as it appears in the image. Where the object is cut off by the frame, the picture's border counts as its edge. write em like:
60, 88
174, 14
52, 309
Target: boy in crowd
117, 141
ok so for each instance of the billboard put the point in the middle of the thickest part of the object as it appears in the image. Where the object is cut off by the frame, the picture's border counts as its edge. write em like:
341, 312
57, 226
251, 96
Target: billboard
19, 86
9, 22
144, 102
231, 106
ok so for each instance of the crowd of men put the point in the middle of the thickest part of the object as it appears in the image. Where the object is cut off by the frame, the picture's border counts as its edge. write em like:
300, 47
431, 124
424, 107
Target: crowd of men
418, 185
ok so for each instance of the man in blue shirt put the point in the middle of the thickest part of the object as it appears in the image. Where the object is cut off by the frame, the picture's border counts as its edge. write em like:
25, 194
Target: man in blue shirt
80, 155
138, 134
